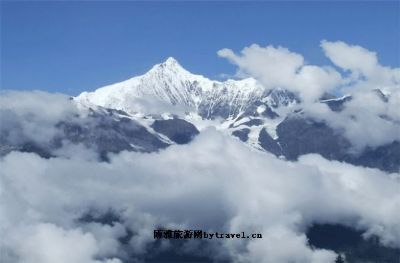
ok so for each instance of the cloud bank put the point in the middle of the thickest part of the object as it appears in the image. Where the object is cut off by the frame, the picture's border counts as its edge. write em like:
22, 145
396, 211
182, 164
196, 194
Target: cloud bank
203, 185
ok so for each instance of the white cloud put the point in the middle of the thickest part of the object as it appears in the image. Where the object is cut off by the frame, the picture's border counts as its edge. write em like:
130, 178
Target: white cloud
366, 120
349, 57
279, 67
214, 183
363, 64
273, 66
284, 246
47, 243
52, 106
32, 115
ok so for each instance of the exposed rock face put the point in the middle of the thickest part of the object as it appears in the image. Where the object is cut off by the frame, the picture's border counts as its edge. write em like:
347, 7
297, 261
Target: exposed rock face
268, 143
177, 130
242, 134
298, 136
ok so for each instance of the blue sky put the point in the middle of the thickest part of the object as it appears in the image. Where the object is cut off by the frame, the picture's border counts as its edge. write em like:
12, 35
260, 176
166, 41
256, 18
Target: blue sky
74, 46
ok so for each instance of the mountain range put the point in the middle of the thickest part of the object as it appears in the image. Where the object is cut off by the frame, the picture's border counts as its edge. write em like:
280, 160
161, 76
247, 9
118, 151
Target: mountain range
169, 105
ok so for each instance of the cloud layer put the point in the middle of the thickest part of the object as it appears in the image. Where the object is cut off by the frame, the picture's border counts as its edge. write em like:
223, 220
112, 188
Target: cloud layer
214, 183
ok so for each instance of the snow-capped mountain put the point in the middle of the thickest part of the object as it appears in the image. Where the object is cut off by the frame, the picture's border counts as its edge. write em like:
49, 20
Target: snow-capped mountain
169, 84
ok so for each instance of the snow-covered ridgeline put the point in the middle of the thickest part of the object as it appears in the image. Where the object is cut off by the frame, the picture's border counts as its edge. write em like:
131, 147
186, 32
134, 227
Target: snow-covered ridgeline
170, 84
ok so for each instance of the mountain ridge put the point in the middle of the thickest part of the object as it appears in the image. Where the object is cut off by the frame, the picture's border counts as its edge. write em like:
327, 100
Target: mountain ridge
169, 83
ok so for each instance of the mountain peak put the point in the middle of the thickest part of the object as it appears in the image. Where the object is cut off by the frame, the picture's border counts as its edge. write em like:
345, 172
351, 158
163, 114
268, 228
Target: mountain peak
168, 67
171, 61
